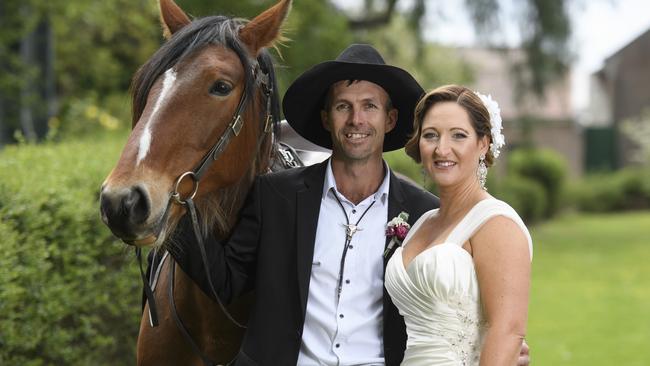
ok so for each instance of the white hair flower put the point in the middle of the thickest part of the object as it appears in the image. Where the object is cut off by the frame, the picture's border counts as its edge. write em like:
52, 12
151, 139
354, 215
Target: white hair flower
498, 140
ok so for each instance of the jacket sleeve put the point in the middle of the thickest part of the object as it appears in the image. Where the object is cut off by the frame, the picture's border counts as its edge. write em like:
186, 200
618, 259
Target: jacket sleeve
231, 261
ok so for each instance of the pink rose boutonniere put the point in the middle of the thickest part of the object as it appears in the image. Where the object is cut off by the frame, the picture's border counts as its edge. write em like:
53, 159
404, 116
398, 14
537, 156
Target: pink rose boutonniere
396, 230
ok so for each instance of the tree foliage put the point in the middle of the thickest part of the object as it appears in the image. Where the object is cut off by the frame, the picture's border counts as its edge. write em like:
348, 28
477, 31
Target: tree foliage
316, 30
99, 44
545, 30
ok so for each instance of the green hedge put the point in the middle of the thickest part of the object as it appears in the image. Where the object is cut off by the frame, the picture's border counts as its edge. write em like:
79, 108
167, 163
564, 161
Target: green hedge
545, 167
69, 292
525, 195
627, 189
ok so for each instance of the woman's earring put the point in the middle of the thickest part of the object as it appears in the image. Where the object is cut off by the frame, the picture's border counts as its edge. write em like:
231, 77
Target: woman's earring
481, 173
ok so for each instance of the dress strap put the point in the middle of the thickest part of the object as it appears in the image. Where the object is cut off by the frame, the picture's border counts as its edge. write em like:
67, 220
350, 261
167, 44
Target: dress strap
417, 225
481, 213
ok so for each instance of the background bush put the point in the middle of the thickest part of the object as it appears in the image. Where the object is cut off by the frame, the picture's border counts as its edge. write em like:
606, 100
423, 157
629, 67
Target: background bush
627, 189
543, 166
69, 292
525, 195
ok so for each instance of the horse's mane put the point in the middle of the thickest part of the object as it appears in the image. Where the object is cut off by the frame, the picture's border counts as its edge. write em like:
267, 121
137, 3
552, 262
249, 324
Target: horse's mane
217, 210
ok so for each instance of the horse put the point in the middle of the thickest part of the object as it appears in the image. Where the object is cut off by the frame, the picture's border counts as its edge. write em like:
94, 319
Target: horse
205, 116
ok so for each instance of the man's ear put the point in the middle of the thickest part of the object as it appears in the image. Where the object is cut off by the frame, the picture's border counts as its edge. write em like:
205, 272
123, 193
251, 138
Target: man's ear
392, 120
324, 119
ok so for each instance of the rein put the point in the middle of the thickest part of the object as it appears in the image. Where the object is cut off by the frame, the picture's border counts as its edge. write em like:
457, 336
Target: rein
261, 77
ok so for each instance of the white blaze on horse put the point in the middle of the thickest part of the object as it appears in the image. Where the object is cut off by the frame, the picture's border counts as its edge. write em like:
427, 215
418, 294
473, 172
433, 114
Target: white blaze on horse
205, 107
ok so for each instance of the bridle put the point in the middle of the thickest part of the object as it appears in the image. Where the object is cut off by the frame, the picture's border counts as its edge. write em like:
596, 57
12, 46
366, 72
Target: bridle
262, 78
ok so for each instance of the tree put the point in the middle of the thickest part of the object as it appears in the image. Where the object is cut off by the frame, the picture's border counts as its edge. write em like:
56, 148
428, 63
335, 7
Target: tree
545, 28
637, 131
96, 45
316, 30
67, 49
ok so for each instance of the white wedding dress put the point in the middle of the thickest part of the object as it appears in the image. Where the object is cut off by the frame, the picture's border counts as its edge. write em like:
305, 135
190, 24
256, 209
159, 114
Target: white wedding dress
438, 292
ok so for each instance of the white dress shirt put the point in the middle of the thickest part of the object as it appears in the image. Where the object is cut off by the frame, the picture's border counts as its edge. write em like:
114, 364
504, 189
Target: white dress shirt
346, 330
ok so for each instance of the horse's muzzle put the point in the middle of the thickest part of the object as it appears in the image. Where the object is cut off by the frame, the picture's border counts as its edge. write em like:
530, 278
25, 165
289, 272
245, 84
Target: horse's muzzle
125, 211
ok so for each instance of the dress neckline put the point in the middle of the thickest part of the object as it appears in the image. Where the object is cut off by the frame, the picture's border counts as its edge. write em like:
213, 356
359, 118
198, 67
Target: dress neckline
446, 241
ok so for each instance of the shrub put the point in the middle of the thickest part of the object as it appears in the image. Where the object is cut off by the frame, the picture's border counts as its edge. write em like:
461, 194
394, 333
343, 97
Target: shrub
623, 190
89, 116
545, 167
69, 292
525, 195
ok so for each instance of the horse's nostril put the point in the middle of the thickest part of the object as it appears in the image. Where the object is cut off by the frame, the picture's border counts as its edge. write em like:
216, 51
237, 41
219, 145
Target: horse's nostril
137, 205
125, 210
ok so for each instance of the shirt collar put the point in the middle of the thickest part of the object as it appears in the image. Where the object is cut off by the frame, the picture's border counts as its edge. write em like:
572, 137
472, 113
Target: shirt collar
330, 183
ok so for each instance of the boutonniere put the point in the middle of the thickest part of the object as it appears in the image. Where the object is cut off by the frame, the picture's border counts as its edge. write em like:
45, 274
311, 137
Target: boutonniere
396, 230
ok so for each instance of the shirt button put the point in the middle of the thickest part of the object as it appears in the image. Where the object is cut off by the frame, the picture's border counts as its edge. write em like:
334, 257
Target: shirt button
351, 246
354, 211
337, 345
347, 281
341, 316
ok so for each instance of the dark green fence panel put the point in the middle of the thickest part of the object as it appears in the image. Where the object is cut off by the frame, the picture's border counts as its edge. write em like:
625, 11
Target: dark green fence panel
600, 149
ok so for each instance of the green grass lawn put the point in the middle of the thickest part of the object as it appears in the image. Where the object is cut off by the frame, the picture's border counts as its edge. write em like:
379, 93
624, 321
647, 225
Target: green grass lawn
590, 301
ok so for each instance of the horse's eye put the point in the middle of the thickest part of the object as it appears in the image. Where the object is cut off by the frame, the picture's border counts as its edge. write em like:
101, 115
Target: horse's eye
221, 88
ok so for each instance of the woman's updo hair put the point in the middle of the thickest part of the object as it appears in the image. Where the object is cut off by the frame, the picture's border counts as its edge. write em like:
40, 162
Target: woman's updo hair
464, 97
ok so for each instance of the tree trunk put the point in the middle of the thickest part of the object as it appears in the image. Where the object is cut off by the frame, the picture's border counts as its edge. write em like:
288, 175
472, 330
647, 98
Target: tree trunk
37, 95
27, 92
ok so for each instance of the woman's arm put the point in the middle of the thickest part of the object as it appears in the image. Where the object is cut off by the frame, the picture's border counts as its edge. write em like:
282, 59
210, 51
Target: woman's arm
502, 260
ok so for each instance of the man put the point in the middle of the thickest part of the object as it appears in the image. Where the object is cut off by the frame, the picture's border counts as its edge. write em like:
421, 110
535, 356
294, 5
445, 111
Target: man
311, 240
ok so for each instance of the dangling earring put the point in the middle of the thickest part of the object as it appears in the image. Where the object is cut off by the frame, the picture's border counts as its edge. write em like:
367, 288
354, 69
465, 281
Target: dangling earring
481, 173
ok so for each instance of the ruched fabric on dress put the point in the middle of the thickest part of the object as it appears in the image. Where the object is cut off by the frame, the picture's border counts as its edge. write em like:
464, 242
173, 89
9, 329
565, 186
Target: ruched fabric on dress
438, 294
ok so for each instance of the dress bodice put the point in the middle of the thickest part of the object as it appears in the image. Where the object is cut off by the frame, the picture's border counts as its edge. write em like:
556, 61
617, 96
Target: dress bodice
438, 294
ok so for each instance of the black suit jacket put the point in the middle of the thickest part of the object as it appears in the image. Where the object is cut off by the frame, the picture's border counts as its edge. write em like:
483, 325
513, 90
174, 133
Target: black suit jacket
271, 249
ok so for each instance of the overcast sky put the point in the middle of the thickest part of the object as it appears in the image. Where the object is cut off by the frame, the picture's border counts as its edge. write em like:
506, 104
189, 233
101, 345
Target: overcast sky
600, 28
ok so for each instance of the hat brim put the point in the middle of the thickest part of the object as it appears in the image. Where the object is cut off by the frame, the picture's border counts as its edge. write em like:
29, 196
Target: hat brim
304, 99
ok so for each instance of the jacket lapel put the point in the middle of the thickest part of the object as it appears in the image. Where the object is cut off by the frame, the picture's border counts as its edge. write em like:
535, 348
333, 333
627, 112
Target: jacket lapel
395, 206
307, 210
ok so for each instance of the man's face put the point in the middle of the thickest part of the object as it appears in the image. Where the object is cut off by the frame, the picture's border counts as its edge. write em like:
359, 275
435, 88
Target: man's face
357, 118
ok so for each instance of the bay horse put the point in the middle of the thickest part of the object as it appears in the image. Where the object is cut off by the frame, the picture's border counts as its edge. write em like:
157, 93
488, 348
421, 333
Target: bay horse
208, 95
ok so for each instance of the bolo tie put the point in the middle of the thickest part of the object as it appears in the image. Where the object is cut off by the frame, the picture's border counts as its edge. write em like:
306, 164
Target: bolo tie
350, 230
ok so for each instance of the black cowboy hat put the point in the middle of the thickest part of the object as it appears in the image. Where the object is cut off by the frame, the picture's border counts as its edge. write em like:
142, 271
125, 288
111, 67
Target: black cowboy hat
304, 99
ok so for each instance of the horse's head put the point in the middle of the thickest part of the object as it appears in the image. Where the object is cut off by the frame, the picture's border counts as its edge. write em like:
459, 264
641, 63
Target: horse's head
184, 100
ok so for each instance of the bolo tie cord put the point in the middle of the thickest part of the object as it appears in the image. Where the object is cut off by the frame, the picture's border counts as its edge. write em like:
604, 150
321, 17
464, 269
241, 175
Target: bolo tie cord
350, 230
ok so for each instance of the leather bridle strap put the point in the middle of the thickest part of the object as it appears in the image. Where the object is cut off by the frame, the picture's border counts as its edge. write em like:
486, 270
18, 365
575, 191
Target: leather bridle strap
235, 125
153, 311
179, 323
172, 304
233, 129
204, 258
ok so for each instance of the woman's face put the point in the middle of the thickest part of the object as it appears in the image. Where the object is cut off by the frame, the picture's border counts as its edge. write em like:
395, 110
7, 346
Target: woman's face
449, 146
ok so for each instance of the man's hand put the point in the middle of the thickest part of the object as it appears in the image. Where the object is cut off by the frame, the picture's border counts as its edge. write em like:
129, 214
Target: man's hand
524, 355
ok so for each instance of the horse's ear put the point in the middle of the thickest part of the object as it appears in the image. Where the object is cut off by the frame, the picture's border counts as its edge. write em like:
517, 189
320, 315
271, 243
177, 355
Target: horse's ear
265, 29
172, 17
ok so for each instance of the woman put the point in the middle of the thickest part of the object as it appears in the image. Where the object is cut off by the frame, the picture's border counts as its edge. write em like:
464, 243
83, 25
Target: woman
461, 279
